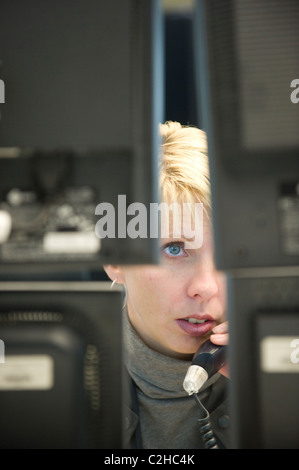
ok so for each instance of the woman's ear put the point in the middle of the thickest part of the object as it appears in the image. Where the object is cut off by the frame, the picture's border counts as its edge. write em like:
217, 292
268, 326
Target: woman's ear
115, 273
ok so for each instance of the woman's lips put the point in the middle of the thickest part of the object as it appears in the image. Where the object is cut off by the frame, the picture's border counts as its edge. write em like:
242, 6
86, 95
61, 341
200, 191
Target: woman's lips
196, 329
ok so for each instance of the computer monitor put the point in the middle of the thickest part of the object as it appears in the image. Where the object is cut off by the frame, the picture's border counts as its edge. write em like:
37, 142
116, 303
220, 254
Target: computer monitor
61, 385
83, 97
247, 66
246, 62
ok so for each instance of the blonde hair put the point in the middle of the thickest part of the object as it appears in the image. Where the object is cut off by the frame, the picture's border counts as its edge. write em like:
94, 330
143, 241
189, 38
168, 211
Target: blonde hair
184, 165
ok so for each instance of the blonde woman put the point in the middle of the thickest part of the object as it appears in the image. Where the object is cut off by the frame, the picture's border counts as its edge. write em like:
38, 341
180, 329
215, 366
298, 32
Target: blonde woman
172, 308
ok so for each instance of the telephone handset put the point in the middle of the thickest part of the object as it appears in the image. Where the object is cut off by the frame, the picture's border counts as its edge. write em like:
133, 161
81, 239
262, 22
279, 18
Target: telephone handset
208, 359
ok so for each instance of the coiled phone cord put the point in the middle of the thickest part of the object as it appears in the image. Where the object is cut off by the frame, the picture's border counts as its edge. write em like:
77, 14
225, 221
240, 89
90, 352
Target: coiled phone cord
205, 426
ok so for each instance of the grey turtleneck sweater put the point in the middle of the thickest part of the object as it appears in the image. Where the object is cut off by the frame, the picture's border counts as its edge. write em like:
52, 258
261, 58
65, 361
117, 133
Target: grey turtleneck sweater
168, 416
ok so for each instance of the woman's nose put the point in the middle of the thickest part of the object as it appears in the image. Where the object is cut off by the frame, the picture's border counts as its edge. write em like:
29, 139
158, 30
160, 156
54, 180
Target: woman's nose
203, 284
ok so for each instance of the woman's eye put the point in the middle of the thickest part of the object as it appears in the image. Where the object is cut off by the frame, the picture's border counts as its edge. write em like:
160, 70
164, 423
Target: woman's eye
174, 250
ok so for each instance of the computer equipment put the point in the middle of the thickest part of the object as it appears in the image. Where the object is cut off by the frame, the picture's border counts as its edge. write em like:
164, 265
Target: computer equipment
61, 382
247, 66
78, 128
246, 63
81, 98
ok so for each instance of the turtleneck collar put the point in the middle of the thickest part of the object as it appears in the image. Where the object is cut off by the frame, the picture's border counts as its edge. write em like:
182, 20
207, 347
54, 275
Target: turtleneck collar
155, 374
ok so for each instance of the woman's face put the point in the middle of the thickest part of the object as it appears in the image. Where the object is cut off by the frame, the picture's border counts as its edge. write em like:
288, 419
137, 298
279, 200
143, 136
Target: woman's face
175, 305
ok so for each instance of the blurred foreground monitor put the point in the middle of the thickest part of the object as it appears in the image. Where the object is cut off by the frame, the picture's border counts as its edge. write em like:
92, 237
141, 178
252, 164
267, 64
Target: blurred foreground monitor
61, 382
247, 70
78, 128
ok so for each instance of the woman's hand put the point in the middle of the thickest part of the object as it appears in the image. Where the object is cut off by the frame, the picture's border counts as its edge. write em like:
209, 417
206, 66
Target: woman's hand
220, 336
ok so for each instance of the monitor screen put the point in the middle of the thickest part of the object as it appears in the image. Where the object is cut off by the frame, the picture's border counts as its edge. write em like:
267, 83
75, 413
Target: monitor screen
82, 86
60, 365
263, 312
266, 40
246, 61
247, 66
